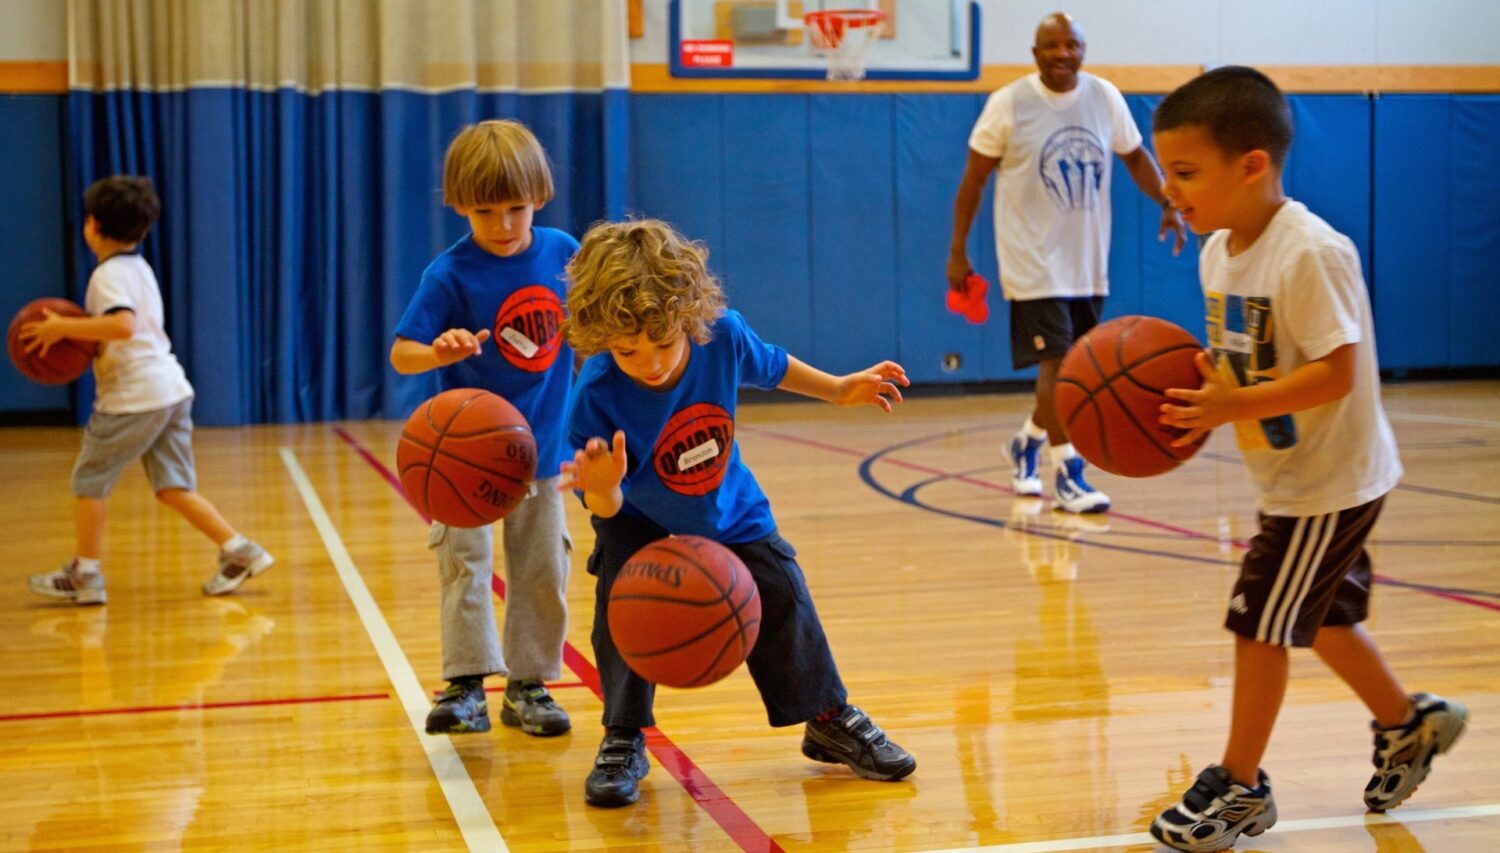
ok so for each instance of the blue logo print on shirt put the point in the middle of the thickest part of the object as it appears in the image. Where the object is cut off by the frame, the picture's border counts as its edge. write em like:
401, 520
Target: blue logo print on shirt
1072, 168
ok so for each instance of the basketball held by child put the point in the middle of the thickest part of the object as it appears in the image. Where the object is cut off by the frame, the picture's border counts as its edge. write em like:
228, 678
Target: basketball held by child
684, 611
466, 457
1110, 389
65, 361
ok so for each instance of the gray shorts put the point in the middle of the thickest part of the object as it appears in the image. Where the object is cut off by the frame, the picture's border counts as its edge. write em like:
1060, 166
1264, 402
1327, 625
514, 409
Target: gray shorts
162, 439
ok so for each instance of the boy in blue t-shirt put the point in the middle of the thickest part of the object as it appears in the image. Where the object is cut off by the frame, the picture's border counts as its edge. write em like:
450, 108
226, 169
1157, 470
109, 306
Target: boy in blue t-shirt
504, 280
668, 351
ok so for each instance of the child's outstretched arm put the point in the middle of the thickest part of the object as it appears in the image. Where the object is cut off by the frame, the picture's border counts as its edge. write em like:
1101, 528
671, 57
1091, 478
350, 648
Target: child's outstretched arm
40, 335
409, 356
1317, 382
876, 385
597, 470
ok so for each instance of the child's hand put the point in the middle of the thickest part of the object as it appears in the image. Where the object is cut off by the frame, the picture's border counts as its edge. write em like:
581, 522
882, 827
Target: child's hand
457, 345
40, 335
876, 385
598, 468
1206, 408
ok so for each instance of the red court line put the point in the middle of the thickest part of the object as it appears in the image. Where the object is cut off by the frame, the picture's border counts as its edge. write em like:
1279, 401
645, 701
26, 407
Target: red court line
709, 797
192, 706
1193, 534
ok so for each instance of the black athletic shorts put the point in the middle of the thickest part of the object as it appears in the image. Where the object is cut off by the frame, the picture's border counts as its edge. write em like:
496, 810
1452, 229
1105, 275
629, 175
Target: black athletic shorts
1303, 573
1044, 329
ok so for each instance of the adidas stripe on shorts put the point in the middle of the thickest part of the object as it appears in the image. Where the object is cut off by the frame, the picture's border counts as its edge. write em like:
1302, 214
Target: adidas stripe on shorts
1302, 573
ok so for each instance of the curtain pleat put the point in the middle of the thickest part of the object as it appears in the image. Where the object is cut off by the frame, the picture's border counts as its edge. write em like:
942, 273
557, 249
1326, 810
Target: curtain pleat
298, 145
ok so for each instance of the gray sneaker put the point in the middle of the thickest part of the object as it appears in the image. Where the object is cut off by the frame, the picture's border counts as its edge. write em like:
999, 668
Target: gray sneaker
1403, 754
68, 583
528, 704
460, 708
853, 739
236, 567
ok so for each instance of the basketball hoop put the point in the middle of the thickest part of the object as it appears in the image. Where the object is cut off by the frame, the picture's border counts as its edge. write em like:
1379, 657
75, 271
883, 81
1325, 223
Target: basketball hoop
844, 36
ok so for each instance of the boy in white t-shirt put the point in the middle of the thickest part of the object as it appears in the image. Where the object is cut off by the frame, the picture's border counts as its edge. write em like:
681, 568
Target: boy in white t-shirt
1051, 138
143, 403
1293, 367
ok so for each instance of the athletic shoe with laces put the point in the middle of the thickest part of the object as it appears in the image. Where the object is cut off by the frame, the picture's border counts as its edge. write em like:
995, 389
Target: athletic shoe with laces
618, 769
1073, 493
236, 567
853, 739
528, 704
70, 584
460, 708
1024, 480
1404, 753
1215, 811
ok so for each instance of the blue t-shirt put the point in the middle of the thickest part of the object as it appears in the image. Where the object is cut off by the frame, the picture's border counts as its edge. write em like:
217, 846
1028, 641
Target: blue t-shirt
520, 300
684, 468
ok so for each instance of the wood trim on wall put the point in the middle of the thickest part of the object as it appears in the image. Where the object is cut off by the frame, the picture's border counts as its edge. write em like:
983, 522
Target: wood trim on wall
34, 77
657, 78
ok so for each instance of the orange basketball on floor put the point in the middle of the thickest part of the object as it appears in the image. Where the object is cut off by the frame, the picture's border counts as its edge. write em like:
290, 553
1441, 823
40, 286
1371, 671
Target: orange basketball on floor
466, 457
66, 360
684, 611
1110, 388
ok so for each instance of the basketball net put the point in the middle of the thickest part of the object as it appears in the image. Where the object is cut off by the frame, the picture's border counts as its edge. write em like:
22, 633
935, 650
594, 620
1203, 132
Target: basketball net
844, 36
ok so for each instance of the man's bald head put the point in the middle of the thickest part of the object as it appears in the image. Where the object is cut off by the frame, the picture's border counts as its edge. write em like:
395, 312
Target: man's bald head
1058, 51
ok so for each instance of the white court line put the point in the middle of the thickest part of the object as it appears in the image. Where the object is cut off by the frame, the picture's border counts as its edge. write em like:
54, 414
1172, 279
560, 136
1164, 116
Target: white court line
1282, 827
1441, 419
473, 818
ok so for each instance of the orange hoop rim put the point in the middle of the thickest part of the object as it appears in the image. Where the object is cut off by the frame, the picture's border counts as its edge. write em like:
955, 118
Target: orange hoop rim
850, 17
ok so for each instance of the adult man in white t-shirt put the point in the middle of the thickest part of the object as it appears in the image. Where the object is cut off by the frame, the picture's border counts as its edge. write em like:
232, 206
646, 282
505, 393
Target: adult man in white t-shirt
1050, 135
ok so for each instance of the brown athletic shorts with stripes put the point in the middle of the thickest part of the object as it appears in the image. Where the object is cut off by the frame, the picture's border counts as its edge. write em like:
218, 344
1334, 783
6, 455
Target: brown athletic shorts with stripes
1303, 573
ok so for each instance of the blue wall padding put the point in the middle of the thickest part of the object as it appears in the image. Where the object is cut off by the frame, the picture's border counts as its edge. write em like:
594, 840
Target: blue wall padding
34, 251
1474, 300
1413, 232
765, 256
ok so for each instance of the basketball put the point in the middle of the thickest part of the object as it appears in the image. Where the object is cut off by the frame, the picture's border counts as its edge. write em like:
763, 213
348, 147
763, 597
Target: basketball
66, 360
684, 611
1110, 389
466, 457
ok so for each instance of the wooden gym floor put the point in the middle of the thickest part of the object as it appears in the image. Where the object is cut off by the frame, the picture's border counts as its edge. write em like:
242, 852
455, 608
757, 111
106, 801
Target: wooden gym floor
1059, 679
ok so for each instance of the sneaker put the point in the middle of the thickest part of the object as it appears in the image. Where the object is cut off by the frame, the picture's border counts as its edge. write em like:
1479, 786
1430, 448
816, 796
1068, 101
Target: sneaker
1024, 451
528, 704
1073, 493
460, 708
70, 584
618, 769
1403, 754
852, 739
1215, 811
236, 567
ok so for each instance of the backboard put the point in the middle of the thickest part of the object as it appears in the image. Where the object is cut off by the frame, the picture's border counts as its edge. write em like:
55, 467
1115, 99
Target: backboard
919, 39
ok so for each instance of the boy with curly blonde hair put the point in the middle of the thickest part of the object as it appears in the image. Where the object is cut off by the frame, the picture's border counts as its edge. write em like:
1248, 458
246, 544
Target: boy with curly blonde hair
664, 349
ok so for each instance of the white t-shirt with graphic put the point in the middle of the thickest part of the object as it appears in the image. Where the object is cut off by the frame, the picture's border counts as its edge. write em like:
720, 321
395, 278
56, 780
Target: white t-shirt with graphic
1052, 189
140, 373
1294, 296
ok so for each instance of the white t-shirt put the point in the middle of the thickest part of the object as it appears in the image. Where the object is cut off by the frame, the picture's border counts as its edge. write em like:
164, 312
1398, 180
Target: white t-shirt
1294, 296
1052, 192
138, 374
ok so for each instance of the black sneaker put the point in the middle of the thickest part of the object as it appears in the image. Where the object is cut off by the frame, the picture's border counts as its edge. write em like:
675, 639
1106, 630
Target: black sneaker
618, 769
528, 704
460, 708
852, 739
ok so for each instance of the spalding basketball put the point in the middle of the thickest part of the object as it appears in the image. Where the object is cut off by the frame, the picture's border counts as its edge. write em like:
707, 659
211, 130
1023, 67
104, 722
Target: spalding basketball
65, 361
466, 457
1110, 388
684, 611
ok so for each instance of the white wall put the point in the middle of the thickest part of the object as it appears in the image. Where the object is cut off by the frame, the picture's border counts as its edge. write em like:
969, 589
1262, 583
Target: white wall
33, 30
1220, 32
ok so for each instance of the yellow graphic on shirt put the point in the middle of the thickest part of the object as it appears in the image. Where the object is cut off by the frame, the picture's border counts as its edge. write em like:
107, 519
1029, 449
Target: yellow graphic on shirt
1242, 334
